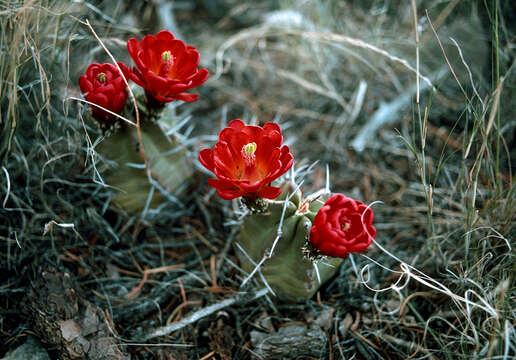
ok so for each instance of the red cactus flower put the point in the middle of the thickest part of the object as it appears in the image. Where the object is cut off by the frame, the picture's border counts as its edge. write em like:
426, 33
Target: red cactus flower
166, 67
342, 226
246, 159
103, 85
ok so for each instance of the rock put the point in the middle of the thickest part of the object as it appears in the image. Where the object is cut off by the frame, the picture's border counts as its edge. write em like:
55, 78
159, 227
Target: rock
290, 342
324, 320
31, 349
69, 330
67, 321
345, 325
266, 323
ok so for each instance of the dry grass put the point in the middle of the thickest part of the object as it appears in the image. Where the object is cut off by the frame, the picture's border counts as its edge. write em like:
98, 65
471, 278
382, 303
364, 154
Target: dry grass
340, 77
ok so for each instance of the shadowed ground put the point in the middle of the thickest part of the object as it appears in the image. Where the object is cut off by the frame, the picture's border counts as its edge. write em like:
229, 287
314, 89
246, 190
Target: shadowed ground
81, 279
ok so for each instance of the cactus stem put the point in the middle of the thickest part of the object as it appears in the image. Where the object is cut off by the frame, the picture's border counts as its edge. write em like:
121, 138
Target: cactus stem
255, 205
268, 253
108, 128
256, 268
315, 196
311, 254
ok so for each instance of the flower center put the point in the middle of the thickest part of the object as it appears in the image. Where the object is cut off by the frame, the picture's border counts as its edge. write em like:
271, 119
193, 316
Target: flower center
167, 63
345, 226
101, 77
248, 151
166, 55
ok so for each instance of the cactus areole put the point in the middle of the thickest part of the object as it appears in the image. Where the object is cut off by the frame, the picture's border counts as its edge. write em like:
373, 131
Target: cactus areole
289, 272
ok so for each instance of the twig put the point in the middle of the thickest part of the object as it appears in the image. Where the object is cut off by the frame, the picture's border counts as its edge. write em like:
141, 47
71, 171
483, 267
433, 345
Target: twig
409, 272
8, 190
469, 73
261, 31
166, 330
416, 35
102, 108
207, 356
410, 345
442, 49
490, 122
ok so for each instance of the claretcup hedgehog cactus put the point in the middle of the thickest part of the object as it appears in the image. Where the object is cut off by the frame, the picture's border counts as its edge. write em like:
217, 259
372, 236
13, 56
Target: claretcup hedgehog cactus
143, 162
125, 170
294, 244
246, 160
288, 268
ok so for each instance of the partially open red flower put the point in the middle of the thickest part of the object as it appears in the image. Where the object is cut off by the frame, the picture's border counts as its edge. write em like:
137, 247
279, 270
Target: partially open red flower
246, 159
342, 226
166, 67
103, 85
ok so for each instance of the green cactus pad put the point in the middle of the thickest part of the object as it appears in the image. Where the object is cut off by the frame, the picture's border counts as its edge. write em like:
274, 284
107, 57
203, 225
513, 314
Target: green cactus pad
166, 156
288, 272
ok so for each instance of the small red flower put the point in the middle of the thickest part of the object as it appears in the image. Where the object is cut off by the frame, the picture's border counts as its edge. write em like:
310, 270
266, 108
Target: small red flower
246, 159
103, 85
342, 226
166, 67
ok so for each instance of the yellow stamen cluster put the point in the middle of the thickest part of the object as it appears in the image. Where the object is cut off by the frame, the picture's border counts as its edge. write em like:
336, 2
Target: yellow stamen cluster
249, 149
101, 77
248, 154
345, 226
166, 55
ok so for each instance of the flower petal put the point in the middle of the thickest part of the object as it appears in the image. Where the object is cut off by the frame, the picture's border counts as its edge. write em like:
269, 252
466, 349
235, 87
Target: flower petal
186, 97
165, 35
236, 124
206, 159
225, 190
85, 84
269, 192
342, 226
248, 170
108, 91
